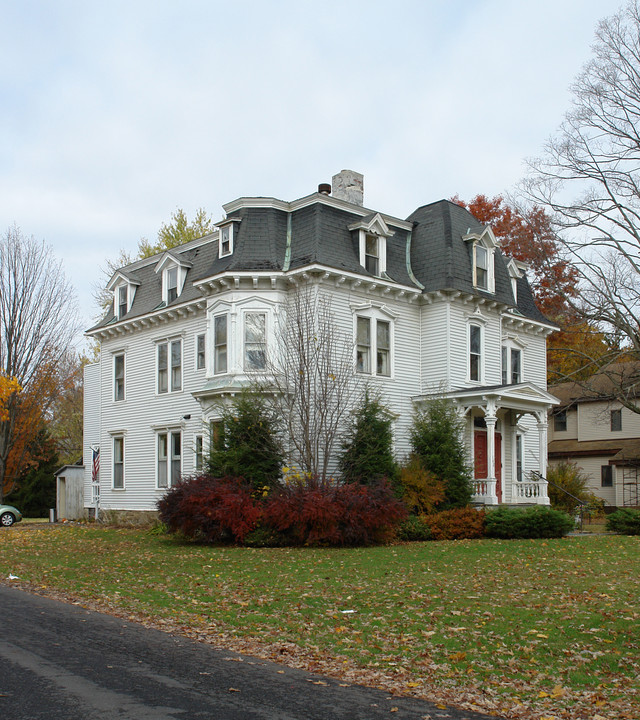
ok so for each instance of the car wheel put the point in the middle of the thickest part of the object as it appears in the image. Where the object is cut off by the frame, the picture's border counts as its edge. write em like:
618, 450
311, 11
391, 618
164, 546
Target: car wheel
7, 519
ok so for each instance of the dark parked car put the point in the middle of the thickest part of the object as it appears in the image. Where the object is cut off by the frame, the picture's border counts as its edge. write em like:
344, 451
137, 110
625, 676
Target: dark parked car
9, 515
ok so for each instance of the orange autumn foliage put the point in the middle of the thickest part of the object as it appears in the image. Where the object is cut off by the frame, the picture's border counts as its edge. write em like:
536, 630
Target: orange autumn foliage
8, 386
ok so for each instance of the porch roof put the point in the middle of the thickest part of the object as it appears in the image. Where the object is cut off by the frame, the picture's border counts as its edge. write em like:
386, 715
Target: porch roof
525, 397
621, 451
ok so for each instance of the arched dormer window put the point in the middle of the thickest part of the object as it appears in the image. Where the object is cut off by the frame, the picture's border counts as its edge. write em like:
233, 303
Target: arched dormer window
516, 270
173, 270
483, 246
372, 233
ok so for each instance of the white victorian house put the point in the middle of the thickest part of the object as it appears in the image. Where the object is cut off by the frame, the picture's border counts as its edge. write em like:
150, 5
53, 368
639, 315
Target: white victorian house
432, 305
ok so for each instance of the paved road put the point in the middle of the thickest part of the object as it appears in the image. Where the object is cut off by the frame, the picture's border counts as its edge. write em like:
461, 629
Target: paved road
61, 661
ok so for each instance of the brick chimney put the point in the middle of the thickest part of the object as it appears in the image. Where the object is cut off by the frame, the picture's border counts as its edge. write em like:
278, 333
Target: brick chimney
348, 185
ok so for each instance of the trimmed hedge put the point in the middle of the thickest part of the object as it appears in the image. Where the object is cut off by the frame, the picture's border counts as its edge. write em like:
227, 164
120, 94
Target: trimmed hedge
457, 524
624, 522
535, 522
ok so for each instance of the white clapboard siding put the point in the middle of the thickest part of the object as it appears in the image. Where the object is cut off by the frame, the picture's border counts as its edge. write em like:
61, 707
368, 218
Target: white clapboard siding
91, 431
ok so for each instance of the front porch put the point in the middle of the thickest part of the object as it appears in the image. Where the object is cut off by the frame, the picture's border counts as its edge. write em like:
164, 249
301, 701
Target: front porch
505, 432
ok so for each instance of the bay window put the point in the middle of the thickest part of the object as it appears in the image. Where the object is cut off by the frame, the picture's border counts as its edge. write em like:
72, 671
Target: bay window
255, 341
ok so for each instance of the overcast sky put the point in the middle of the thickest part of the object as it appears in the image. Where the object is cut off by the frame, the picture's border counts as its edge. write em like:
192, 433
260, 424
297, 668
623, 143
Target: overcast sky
114, 114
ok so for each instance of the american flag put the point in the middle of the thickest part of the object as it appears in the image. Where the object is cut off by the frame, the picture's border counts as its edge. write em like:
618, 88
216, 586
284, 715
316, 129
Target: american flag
95, 464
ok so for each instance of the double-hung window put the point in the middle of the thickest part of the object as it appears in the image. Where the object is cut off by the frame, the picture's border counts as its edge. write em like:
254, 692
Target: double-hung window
225, 240
511, 365
481, 267
170, 366
220, 342
123, 300
199, 453
169, 458
373, 340
560, 421
616, 420
172, 284
200, 352
255, 341
475, 352
118, 377
372, 255
606, 476
118, 462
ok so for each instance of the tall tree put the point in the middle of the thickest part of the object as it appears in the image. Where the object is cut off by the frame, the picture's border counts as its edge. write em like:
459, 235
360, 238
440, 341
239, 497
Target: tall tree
588, 177
177, 232
528, 235
37, 324
65, 416
311, 379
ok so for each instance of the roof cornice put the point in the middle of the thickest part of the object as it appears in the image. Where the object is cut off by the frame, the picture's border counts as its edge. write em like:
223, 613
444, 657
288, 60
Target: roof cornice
314, 199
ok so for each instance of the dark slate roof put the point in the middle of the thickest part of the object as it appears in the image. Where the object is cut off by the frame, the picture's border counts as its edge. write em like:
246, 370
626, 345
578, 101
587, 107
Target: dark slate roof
441, 259
320, 235
148, 296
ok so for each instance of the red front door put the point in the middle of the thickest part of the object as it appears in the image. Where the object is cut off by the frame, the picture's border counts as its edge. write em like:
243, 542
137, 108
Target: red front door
481, 460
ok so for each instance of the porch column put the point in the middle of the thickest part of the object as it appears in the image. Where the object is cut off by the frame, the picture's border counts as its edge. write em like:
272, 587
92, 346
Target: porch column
490, 420
542, 442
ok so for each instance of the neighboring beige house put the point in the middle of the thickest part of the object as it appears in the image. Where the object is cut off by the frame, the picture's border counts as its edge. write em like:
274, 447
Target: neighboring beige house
596, 432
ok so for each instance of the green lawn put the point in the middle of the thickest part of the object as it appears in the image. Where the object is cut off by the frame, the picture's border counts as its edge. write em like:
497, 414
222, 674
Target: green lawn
550, 629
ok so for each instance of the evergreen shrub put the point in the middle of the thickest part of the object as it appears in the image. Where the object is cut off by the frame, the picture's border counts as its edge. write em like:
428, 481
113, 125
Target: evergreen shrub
624, 522
436, 438
247, 442
413, 529
535, 522
367, 449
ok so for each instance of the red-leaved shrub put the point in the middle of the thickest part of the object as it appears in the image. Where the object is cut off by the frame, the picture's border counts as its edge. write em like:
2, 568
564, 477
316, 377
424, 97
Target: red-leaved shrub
319, 512
458, 524
210, 509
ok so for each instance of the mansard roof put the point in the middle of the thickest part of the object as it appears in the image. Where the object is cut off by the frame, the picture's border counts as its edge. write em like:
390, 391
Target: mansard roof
430, 251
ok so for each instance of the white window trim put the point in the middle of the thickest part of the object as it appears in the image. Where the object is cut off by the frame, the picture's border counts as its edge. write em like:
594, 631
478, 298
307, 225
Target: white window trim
169, 432
115, 437
481, 327
491, 280
181, 276
214, 368
196, 351
221, 227
374, 315
168, 342
253, 311
118, 354
512, 343
382, 251
196, 437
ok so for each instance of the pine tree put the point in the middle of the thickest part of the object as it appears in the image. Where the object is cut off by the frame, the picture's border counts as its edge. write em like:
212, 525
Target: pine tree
436, 439
247, 442
367, 450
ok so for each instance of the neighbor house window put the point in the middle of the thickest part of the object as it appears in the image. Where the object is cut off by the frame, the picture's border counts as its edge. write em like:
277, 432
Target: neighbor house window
255, 341
373, 340
606, 476
118, 463
372, 254
169, 458
172, 284
616, 420
560, 421
170, 366
475, 352
220, 344
200, 352
118, 377
123, 300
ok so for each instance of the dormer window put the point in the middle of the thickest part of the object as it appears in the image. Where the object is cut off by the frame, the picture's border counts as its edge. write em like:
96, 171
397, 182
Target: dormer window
173, 269
226, 236
482, 250
372, 233
225, 240
172, 284
123, 301
481, 267
372, 255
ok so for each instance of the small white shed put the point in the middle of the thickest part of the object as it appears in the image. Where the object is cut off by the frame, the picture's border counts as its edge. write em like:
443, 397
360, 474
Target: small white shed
70, 492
